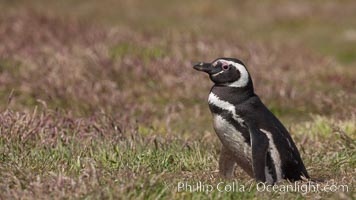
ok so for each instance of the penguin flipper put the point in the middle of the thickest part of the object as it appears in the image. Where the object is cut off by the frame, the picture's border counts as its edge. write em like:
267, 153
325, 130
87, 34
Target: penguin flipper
259, 145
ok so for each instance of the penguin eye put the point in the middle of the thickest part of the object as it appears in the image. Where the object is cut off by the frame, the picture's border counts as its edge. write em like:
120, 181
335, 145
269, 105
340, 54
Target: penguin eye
226, 67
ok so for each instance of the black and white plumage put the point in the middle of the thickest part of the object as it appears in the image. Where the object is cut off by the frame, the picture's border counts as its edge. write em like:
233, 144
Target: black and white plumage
251, 135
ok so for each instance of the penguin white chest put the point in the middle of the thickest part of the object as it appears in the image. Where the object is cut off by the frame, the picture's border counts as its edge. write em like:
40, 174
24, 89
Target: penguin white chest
232, 138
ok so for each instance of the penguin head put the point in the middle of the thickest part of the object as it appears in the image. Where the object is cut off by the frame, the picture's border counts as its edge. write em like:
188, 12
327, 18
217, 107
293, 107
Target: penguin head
229, 72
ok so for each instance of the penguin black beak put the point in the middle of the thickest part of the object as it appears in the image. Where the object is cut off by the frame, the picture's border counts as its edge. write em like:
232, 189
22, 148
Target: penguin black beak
204, 67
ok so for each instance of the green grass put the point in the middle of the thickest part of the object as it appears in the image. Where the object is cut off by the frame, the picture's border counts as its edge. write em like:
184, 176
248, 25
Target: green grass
140, 164
119, 51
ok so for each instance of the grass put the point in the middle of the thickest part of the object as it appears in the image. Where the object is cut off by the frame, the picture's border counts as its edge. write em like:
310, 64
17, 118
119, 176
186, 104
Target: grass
79, 159
98, 100
121, 50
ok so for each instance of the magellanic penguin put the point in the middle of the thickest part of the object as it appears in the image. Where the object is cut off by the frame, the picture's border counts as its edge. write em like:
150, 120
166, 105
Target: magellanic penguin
251, 136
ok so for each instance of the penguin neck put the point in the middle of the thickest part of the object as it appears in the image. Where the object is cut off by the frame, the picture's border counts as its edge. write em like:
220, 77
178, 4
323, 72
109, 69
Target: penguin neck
233, 95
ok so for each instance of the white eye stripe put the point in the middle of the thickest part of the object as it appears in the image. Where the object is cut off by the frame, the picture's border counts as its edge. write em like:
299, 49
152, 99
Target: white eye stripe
243, 80
222, 71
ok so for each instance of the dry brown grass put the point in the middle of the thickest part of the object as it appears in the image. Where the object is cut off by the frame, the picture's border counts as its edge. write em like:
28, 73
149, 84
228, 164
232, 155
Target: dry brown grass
73, 65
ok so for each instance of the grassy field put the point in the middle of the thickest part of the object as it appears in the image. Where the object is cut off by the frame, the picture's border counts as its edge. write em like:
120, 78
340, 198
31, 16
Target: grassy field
100, 101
